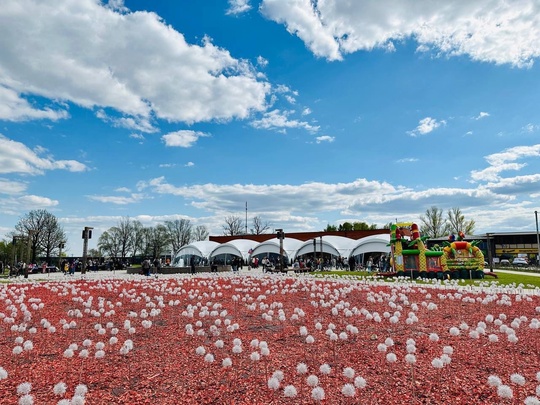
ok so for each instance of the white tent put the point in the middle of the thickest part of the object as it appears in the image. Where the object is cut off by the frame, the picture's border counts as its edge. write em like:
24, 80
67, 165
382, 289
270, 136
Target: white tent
334, 245
200, 248
373, 243
236, 247
290, 247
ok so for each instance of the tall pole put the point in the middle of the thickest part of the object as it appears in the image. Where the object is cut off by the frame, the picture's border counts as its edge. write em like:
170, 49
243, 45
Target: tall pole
246, 217
28, 251
314, 251
537, 239
87, 234
321, 255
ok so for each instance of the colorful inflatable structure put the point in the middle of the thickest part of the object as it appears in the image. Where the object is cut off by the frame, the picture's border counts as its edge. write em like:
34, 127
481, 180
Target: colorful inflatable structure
410, 257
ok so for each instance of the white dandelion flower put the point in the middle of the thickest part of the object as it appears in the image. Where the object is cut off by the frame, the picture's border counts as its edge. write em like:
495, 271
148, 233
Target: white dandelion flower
290, 391
348, 390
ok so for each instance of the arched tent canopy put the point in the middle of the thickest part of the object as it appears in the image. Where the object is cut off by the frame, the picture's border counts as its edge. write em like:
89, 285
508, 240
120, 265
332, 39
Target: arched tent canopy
369, 244
333, 245
201, 249
290, 246
236, 247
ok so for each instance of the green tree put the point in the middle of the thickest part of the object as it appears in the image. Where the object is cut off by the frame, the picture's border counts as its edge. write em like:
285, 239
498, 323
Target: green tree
433, 224
330, 228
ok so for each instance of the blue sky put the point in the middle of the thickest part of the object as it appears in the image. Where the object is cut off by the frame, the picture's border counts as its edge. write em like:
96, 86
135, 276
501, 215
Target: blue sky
313, 113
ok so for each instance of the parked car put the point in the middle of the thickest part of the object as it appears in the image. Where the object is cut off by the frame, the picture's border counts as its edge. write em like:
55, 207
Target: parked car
504, 262
520, 262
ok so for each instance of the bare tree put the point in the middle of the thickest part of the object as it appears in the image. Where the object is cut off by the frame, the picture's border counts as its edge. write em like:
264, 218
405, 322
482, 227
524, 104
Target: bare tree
457, 222
137, 238
124, 233
233, 226
180, 233
44, 230
433, 224
157, 240
259, 227
200, 233
108, 244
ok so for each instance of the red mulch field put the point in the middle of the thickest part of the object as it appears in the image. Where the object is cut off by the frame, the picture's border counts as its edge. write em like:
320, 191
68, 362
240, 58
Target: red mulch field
267, 340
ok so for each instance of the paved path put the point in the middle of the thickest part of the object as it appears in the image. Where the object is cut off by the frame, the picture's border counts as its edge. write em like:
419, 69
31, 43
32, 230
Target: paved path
524, 273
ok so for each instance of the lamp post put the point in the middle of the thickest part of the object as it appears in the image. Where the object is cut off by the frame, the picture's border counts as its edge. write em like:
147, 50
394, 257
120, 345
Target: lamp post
280, 236
321, 255
537, 239
87, 234
28, 250
314, 251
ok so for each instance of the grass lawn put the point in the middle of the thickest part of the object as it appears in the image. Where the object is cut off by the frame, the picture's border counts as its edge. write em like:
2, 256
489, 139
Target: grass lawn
505, 279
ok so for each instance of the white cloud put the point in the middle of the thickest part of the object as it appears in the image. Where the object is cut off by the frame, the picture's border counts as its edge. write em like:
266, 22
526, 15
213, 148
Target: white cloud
238, 6
505, 161
183, 139
118, 200
189, 164
407, 160
137, 136
481, 115
325, 138
494, 31
88, 54
16, 157
11, 187
426, 125
15, 108
306, 111
530, 128
277, 119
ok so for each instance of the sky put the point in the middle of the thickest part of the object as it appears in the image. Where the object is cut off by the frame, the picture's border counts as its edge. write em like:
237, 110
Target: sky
310, 113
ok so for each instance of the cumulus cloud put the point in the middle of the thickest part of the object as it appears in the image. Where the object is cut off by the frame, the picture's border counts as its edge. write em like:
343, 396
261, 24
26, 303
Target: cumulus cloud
494, 31
279, 120
325, 138
16, 157
11, 187
426, 125
14, 108
505, 161
238, 7
481, 115
133, 63
182, 139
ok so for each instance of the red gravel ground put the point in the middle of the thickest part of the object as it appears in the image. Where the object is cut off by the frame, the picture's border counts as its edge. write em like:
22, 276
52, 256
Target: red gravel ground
178, 358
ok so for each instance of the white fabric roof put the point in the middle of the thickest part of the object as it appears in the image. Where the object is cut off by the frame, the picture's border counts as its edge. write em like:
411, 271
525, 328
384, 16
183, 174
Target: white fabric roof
373, 243
200, 248
237, 247
290, 246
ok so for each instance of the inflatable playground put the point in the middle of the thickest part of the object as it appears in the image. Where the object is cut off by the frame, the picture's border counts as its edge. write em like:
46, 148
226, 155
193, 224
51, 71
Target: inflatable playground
455, 259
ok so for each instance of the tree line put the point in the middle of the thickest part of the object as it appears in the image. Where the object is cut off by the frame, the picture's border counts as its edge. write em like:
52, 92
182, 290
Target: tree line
130, 238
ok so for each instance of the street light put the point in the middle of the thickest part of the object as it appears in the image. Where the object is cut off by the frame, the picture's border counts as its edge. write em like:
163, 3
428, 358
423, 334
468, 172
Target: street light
28, 250
86, 234
280, 235
537, 239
